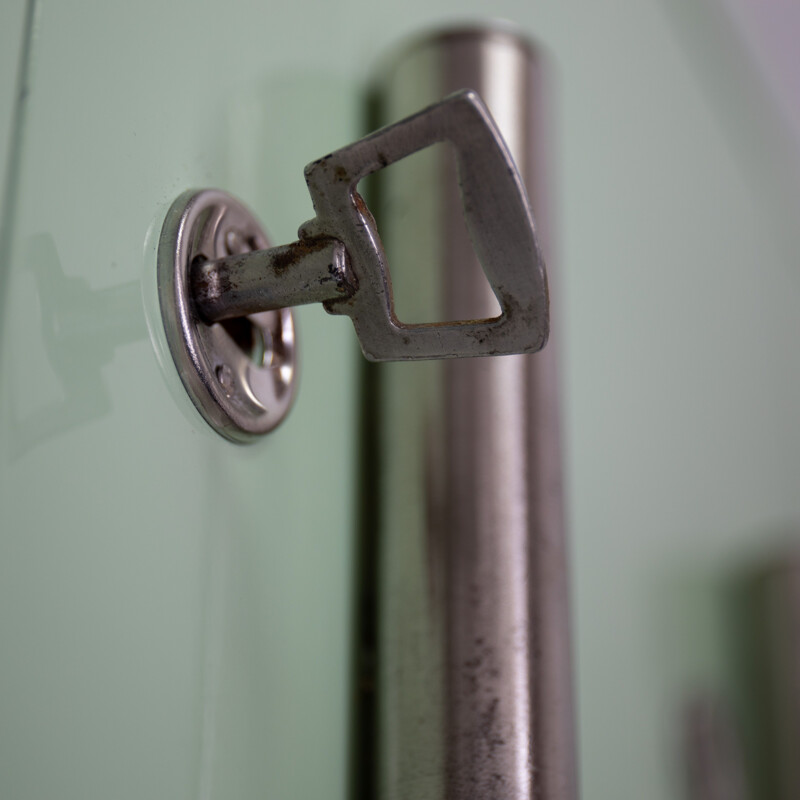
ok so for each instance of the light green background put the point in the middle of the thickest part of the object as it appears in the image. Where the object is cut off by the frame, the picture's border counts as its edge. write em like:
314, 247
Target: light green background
174, 610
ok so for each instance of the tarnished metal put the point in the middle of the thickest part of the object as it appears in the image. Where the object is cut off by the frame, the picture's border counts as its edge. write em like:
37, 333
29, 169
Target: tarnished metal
498, 217
473, 697
307, 271
339, 259
240, 375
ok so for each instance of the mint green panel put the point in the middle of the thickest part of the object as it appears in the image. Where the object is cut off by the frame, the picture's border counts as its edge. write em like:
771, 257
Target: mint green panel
174, 610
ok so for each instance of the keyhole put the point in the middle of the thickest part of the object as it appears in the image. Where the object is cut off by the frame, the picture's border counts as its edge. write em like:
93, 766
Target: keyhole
249, 338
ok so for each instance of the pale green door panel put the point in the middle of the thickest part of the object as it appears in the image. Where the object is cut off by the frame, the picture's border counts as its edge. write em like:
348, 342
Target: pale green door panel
175, 610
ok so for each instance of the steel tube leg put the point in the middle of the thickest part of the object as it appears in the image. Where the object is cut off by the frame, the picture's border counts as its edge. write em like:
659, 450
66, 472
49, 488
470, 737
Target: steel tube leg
474, 694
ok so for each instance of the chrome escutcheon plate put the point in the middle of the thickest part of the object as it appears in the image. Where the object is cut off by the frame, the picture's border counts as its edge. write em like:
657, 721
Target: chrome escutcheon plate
240, 374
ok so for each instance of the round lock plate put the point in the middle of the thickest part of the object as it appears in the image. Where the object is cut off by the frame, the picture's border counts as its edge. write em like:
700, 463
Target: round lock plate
239, 373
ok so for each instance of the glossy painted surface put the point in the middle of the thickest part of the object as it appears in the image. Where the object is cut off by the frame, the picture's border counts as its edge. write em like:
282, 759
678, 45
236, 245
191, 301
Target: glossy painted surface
174, 610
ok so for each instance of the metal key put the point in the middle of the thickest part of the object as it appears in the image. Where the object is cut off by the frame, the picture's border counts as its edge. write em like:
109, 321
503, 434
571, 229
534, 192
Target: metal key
339, 261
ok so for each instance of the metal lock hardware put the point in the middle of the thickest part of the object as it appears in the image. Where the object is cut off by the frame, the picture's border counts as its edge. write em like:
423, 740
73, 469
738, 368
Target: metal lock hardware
225, 293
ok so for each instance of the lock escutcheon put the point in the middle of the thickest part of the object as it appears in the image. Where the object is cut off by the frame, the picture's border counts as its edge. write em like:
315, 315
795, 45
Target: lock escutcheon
240, 374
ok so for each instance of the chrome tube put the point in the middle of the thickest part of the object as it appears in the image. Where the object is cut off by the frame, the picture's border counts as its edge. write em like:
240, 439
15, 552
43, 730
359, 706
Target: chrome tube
472, 631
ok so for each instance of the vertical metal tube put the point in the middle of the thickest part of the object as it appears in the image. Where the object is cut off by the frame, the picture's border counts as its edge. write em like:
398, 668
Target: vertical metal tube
474, 695
776, 684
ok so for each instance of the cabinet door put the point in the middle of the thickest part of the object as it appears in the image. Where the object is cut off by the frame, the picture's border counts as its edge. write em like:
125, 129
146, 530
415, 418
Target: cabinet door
174, 608
175, 615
